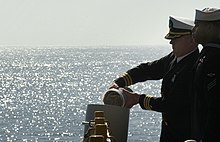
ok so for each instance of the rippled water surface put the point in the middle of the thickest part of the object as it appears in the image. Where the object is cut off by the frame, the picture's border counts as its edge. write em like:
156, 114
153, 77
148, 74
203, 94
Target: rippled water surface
44, 91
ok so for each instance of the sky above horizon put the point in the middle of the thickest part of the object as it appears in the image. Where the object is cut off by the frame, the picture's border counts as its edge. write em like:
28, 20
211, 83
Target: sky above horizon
92, 22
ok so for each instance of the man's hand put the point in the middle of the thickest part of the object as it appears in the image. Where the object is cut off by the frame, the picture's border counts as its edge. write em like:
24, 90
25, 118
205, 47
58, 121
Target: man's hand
132, 98
114, 85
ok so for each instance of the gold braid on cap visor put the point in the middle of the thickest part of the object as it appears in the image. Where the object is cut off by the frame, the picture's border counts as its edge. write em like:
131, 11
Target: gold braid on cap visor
127, 79
179, 33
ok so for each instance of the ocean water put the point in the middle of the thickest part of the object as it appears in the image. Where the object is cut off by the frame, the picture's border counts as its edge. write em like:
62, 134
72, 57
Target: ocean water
44, 91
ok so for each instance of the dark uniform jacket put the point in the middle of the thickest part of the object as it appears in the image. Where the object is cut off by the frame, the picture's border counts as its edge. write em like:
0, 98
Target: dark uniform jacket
206, 118
174, 102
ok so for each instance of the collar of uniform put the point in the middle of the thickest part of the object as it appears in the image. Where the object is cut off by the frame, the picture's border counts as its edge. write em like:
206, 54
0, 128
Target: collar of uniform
180, 58
216, 45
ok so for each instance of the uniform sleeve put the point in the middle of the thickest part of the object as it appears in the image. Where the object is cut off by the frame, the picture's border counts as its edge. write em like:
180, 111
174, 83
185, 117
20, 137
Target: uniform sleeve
146, 71
124, 80
212, 87
144, 102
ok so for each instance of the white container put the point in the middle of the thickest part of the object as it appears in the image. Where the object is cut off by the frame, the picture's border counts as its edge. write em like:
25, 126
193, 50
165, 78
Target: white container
115, 97
118, 118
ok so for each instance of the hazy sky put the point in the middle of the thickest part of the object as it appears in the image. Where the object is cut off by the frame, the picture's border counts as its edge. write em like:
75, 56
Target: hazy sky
91, 22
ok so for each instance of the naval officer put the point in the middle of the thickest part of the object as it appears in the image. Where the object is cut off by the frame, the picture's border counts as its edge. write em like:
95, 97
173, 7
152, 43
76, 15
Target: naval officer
175, 70
206, 122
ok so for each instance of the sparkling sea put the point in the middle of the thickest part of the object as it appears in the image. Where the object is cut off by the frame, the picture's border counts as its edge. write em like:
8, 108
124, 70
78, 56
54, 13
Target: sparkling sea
45, 90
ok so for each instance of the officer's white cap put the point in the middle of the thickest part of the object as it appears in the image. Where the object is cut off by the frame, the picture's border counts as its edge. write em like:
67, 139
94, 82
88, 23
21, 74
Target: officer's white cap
179, 26
207, 14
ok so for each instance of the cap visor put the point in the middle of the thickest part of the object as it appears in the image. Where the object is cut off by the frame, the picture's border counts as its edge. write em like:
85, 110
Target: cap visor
171, 36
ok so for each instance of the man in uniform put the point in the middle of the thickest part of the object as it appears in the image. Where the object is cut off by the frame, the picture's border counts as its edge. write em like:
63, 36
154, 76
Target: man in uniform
206, 122
175, 70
